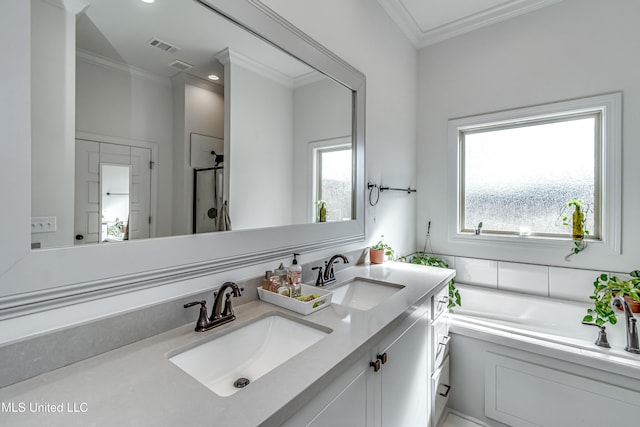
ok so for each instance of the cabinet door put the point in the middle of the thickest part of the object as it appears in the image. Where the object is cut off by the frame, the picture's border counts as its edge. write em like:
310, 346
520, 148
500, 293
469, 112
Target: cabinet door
405, 378
346, 402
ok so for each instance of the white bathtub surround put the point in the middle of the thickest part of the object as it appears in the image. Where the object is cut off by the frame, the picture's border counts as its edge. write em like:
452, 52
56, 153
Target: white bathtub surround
527, 278
481, 272
527, 360
573, 284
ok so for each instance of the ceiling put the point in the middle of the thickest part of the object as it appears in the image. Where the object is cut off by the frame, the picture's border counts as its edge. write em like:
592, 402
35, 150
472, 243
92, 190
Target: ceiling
119, 31
426, 22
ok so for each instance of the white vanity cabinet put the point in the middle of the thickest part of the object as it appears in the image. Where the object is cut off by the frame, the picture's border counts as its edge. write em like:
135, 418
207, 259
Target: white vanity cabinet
440, 379
387, 387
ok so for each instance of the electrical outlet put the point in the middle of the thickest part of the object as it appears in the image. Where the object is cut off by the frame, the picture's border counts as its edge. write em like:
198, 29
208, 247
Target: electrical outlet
43, 224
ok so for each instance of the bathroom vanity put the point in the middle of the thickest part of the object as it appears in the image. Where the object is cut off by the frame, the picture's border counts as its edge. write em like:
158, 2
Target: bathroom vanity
369, 367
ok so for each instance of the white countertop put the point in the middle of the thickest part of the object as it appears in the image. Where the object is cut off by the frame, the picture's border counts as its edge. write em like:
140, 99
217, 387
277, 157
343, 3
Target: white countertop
137, 385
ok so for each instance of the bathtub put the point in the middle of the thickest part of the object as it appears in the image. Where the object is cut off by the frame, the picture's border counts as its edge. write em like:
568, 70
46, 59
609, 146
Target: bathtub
525, 360
552, 323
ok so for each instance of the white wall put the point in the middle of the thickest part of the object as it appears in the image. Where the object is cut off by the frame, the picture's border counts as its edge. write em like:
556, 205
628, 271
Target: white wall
361, 33
573, 49
199, 108
15, 126
119, 103
52, 115
260, 150
321, 111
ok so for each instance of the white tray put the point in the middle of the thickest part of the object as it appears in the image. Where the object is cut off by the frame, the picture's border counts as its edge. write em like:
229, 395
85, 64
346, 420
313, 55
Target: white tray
299, 306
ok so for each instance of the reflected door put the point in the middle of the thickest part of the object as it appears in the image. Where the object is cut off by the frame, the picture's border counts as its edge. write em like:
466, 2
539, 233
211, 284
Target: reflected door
103, 165
87, 196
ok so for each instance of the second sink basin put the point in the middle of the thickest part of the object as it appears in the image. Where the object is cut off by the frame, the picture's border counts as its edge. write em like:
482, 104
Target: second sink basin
230, 362
362, 293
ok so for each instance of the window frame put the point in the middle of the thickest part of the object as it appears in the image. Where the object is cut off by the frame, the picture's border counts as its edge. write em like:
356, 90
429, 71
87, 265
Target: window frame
607, 216
315, 149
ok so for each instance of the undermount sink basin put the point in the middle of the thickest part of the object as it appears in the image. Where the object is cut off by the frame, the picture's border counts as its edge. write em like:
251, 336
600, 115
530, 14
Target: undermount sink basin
363, 294
230, 362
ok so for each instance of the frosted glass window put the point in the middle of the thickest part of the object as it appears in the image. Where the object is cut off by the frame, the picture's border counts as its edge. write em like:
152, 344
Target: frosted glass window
335, 181
517, 178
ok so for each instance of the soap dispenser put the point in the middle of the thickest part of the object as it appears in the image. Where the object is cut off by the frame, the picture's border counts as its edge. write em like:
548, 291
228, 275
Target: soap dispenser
295, 277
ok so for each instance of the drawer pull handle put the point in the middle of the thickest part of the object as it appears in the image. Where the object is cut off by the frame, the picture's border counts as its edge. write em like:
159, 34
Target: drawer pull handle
376, 365
382, 357
445, 339
443, 300
446, 393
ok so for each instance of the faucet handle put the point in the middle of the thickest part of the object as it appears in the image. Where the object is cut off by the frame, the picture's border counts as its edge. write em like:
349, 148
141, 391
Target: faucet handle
203, 321
228, 309
602, 340
320, 278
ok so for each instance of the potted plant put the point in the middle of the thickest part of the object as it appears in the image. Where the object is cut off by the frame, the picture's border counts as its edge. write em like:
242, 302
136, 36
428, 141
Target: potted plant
378, 251
422, 258
605, 289
577, 223
322, 210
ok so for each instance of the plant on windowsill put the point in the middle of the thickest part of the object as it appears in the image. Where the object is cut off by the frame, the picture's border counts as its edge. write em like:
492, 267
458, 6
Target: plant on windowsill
605, 288
322, 210
378, 251
577, 223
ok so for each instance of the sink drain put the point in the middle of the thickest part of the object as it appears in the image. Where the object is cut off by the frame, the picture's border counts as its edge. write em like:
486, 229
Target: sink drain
241, 383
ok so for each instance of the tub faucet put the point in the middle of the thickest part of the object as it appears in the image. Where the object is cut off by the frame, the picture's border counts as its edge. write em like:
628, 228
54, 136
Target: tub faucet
632, 329
329, 274
219, 316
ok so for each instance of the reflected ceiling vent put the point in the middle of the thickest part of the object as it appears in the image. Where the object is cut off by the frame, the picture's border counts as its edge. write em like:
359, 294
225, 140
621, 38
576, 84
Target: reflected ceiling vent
179, 65
162, 45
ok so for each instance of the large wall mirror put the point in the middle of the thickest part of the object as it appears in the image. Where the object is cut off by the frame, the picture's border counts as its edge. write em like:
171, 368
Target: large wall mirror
212, 120
223, 130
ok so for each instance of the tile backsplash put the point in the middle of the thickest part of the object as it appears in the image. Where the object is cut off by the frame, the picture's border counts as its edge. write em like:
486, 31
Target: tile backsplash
481, 272
556, 282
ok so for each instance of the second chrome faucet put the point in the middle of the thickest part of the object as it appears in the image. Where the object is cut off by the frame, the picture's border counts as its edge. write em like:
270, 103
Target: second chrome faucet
219, 315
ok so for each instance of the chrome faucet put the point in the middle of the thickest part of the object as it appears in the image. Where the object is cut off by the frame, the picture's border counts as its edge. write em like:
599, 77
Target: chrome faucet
632, 330
219, 316
329, 275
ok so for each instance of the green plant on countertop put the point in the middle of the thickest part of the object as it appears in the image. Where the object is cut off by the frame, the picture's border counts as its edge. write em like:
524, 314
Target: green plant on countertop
381, 245
605, 287
577, 223
422, 258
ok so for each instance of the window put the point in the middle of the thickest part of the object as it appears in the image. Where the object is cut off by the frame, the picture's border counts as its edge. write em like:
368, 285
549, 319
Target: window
516, 170
333, 177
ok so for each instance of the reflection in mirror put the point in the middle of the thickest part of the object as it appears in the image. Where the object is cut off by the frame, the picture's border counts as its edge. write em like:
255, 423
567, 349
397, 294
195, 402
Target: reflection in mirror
145, 84
114, 202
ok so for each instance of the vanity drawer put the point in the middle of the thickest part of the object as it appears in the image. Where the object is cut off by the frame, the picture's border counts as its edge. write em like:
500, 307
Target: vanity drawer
440, 342
441, 390
440, 301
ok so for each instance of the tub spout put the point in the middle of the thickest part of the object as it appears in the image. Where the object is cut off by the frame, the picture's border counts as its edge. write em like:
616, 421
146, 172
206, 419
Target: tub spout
632, 329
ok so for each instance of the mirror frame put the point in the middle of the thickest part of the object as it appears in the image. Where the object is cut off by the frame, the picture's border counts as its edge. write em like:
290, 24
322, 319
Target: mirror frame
43, 279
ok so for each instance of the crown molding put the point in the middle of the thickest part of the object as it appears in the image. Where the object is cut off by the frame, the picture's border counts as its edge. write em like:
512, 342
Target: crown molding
425, 37
227, 56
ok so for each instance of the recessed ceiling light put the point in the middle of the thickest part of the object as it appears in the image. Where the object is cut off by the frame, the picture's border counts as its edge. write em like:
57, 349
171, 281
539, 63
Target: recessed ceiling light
213, 77
147, 1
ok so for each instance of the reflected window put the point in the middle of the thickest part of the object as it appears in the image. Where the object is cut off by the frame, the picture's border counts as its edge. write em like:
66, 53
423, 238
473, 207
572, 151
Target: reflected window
333, 180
